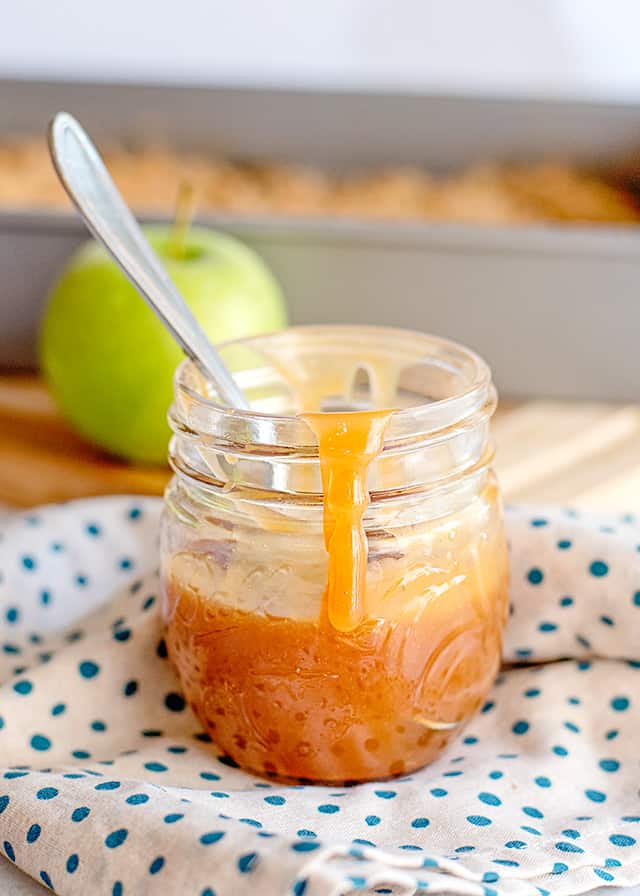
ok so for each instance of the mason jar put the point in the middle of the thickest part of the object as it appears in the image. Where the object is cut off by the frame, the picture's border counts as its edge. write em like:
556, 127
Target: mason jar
279, 687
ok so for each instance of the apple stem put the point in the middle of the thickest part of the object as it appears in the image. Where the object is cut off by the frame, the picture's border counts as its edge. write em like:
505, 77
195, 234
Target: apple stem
182, 218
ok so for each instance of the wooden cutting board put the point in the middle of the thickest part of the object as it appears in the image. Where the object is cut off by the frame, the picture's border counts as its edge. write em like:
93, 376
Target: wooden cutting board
42, 460
583, 454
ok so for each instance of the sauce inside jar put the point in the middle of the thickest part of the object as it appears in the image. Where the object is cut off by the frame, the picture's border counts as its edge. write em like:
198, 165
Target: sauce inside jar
350, 659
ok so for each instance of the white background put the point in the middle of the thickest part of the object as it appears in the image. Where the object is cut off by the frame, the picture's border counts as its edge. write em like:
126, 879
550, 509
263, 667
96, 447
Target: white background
566, 47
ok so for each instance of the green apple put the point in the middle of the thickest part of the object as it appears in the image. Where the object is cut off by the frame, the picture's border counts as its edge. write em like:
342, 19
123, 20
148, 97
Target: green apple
109, 361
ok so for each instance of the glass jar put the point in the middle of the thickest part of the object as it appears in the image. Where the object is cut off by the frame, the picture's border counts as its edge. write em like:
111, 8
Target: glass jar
280, 687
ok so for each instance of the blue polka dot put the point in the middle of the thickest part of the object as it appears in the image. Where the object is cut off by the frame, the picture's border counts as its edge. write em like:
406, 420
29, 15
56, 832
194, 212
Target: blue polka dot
612, 863
564, 544
532, 692
490, 799
40, 742
622, 840
488, 706
598, 568
571, 834
438, 792
122, 635
520, 727
385, 794
88, 669
219, 794
532, 812
328, 808
108, 785
80, 813
174, 702
566, 601
300, 886
116, 838
173, 817
537, 523
420, 823
603, 875
495, 775
545, 627
12, 614
612, 734
81, 754
530, 830
248, 862
23, 687
607, 620
72, 862
305, 846
157, 865
559, 868
33, 833
209, 776
134, 514
155, 767
81, 580
58, 709
542, 781
9, 851
636, 599
535, 576
275, 800
620, 704
515, 844
29, 562
609, 765
480, 820
130, 688
92, 529
98, 725
568, 847
117, 889
372, 820
47, 793
211, 837
490, 877
137, 799
46, 880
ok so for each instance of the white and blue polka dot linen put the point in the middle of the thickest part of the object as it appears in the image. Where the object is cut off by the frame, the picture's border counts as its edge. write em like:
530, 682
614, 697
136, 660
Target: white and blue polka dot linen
109, 787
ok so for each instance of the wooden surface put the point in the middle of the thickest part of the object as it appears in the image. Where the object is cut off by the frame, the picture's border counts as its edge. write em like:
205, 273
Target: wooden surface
586, 455
41, 460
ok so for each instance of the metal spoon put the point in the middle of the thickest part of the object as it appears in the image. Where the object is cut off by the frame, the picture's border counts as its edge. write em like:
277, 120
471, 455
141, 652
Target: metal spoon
87, 181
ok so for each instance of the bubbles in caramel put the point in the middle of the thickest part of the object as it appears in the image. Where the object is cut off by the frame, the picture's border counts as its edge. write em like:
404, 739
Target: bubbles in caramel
335, 576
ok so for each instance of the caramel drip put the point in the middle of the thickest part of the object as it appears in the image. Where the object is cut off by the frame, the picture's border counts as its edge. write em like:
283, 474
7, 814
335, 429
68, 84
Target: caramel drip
347, 445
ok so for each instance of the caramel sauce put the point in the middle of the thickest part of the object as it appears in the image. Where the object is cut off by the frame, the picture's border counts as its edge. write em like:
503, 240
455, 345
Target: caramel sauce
357, 661
347, 443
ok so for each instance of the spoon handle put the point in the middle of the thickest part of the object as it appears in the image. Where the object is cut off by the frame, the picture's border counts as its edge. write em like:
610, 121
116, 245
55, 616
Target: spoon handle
88, 183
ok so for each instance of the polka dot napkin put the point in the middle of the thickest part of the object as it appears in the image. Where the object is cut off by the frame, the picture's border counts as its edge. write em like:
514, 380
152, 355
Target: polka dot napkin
108, 786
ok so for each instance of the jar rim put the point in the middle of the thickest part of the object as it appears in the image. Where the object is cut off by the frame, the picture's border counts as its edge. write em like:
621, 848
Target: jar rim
421, 419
